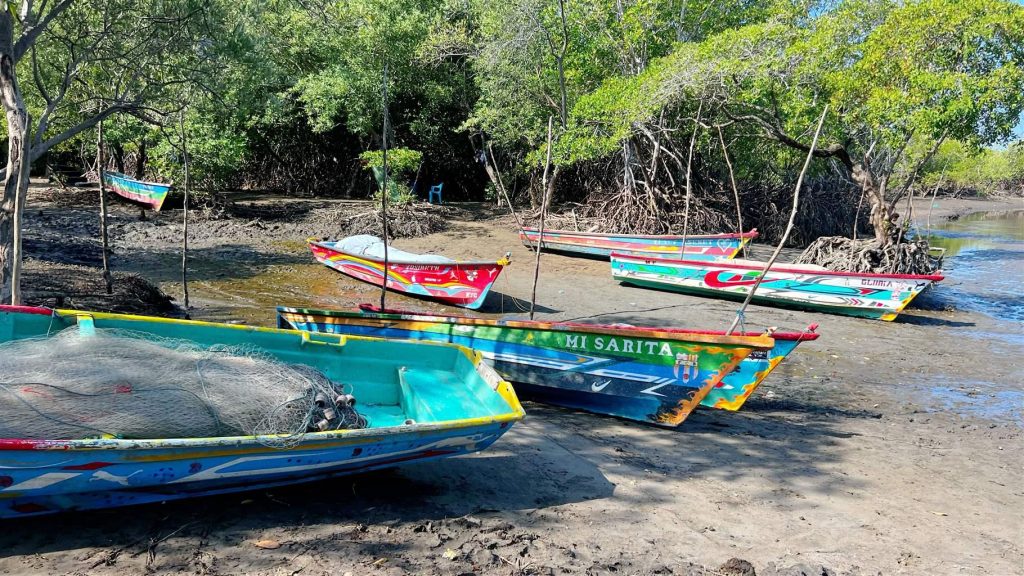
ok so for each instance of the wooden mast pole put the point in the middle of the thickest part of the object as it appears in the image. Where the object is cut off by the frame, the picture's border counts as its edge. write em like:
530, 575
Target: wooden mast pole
543, 212
789, 226
184, 217
384, 189
103, 209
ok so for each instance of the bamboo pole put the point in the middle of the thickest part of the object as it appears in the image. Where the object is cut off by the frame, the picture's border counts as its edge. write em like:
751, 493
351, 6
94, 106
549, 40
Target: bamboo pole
384, 189
789, 226
735, 191
689, 162
543, 213
100, 163
184, 216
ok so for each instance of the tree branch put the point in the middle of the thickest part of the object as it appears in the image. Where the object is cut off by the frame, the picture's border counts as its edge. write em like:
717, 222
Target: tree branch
28, 37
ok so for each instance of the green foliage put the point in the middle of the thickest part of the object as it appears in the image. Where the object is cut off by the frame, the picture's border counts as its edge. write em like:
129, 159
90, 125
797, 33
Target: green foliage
403, 164
957, 166
401, 161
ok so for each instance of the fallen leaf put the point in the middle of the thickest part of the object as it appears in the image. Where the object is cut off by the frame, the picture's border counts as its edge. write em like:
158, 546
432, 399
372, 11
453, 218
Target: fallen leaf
268, 544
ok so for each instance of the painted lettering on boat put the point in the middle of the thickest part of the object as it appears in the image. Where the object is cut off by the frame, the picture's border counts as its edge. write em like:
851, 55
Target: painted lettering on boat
612, 344
875, 282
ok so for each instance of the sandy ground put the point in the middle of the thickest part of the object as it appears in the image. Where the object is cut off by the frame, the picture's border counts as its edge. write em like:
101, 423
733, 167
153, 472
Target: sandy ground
881, 448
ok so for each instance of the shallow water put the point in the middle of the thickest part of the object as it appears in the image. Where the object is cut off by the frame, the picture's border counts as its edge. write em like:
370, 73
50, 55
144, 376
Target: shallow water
984, 263
980, 399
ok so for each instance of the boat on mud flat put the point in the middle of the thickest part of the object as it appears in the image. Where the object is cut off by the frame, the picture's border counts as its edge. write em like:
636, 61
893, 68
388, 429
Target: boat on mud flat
149, 194
416, 401
698, 247
800, 286
647, 374
430, 276
737, 386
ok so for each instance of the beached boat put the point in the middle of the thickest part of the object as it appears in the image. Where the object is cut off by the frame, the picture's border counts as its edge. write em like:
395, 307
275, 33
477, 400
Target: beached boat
417, 400
734, 390
698, 247
801, 286
149, 194
646, 374
463, 284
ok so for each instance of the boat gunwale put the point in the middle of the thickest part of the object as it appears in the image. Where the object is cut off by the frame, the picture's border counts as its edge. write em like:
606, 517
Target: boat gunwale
753, 233
762, 341
808, 334
460, 263
490, 377
787, 268
122, 176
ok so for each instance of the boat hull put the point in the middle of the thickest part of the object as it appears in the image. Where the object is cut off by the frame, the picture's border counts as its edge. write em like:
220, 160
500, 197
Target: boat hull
737, 386
47, 476
876, 296
640, 374
149, 194
699, 247
464, 284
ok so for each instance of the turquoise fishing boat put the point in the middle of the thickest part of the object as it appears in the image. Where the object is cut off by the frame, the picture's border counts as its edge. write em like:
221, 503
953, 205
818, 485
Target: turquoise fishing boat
416, 401
799, 286
652, 375
149, 194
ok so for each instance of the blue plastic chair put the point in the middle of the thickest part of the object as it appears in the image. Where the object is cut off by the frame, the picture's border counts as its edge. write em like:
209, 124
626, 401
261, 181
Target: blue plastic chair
435, 190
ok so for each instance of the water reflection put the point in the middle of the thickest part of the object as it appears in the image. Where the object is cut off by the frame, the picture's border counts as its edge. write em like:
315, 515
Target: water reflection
984, 262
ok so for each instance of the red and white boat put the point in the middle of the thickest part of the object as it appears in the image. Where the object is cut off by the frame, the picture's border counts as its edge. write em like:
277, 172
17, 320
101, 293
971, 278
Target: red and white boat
431, 276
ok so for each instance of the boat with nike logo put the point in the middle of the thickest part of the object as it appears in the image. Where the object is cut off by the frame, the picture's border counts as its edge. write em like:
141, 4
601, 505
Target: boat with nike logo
800, 286
647, 374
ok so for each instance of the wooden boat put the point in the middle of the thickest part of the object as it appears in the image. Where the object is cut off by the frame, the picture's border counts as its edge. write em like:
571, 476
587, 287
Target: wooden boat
463, 284
422, 401
806, 287
737, 386
698, 247
646, 374
149, 194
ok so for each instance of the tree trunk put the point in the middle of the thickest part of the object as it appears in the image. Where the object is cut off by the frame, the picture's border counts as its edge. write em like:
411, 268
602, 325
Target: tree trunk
140, 165
882, 217
12, 202
118, 154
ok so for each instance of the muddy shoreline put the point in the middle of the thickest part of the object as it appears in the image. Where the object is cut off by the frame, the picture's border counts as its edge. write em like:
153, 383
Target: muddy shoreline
847, 460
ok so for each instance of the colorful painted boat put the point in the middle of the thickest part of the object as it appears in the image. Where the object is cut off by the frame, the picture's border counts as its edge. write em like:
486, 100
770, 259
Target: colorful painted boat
149, 194
734, 390
463, 284
646, 374
879, 296
698, 247
422, 400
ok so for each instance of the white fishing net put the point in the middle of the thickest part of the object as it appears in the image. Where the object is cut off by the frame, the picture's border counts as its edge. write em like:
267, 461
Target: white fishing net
124, 384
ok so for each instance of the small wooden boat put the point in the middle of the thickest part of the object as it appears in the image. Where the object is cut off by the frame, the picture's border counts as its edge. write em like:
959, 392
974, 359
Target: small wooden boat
149, 194
438, 278
420, 401
646, 374
698, 247
805, 287
734, 390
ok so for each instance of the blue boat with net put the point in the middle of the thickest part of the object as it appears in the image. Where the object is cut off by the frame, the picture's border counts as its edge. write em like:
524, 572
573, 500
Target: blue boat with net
100, 410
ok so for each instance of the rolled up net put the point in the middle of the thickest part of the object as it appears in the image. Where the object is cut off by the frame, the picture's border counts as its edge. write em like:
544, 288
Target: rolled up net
124, 384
